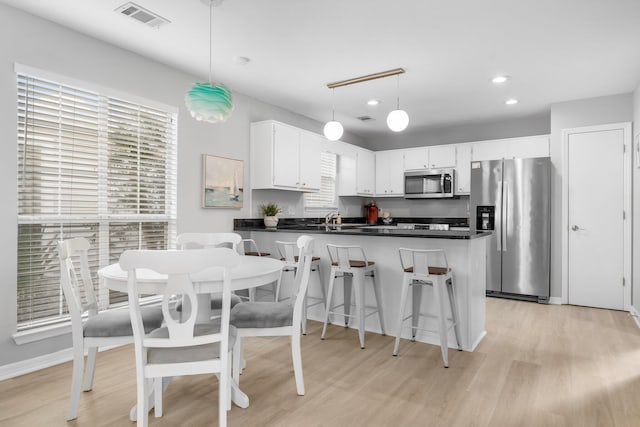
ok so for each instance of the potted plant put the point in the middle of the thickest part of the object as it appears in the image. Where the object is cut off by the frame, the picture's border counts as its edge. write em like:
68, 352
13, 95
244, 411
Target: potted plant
270, 213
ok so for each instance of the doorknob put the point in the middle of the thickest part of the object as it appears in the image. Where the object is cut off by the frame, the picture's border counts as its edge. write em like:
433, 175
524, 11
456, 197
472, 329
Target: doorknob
575, 228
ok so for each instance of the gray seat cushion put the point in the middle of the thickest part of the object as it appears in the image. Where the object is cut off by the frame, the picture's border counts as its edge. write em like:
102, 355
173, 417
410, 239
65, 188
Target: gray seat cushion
117, 323
194, 353
216, 302
262, 315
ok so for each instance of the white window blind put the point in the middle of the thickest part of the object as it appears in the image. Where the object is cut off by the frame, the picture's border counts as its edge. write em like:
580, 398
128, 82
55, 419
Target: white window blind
326, 197
89, 165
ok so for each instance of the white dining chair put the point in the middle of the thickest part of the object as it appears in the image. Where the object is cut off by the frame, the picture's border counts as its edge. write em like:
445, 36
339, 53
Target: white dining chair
261, 319
182, 347
106, 328
288, 252
249, 247
210, 240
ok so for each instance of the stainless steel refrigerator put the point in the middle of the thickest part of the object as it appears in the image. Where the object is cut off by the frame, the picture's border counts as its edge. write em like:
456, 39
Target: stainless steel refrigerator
512, 197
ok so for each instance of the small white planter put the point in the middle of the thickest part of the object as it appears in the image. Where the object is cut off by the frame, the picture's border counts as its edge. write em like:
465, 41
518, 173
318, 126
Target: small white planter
271, 221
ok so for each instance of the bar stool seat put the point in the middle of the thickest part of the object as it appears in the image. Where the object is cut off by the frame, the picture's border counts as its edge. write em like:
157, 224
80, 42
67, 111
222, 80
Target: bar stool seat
287, 251
254, 251
419, 267
351, 262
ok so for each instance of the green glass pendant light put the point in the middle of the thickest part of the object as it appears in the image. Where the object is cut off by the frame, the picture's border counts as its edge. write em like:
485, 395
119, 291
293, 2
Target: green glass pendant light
211, 101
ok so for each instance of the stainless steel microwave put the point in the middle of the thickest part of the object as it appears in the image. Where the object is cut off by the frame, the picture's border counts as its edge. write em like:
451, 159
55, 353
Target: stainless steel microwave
428, 184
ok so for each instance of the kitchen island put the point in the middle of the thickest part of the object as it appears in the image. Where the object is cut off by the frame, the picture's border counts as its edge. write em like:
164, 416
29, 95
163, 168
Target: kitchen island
466, 255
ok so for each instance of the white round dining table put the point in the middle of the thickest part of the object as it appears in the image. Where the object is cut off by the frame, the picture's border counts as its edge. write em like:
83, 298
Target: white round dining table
251, 272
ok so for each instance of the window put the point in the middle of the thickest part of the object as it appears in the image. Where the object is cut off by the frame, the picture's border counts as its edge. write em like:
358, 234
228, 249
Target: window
326, 197
91, 165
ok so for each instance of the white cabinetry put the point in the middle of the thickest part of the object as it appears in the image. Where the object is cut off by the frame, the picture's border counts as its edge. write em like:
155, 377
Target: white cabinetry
416, 158
347, 179
433, 157
389, 173
463, 169
284, 157
442, 156
365, 172
531, 146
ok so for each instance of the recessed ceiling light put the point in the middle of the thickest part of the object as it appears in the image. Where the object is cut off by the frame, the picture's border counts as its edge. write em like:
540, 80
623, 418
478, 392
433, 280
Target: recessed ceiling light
241, 60
511, 101
373, 102
500, 79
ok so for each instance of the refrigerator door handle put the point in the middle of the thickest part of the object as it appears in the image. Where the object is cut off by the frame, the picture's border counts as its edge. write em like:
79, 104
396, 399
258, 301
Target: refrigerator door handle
505, 207
498, 223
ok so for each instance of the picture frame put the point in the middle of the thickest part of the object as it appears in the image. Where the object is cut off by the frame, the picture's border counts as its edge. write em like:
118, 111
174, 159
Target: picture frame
222, 182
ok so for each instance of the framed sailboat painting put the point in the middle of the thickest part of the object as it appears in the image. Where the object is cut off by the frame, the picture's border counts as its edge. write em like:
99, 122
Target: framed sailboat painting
222, 182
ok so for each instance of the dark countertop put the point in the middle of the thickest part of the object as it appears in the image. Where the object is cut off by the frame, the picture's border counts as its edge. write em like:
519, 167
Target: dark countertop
312, 226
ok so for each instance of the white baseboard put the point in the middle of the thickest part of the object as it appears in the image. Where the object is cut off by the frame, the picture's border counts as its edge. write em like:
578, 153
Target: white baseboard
635, 315
31, 365
555, 300
23, 367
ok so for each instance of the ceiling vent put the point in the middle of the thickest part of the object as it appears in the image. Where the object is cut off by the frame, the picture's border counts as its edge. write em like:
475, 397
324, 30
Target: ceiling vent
143, 15
365, 118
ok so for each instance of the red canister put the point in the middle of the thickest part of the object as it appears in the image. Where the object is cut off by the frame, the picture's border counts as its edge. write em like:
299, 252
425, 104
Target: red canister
371, 213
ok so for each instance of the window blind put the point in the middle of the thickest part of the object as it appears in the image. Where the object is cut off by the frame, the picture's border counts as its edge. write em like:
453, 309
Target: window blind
89, 165
326, 197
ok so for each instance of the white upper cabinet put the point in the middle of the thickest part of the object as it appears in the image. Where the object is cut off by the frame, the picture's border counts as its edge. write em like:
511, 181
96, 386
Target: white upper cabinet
284, 157
442, 156
432, 157
463, 169
531, 146
389, 173
416, 158
365, 172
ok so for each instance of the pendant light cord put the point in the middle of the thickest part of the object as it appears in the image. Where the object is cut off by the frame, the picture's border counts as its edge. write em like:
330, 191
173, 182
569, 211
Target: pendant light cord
333, 105
210, 40
398, 94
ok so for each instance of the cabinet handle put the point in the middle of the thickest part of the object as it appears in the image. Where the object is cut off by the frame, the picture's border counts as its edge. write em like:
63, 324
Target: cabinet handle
304, 183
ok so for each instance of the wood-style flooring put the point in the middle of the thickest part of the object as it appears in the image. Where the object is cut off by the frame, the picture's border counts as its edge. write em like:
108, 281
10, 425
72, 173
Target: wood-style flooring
539, 365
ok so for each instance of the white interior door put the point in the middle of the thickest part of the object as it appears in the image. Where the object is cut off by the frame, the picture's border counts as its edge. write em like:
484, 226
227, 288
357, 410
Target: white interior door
595, 192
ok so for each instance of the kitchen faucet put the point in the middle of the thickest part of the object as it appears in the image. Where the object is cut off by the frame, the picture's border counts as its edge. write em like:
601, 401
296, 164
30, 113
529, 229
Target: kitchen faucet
331, 215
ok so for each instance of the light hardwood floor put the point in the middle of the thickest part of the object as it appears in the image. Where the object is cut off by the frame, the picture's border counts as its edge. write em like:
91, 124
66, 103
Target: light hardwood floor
539, 365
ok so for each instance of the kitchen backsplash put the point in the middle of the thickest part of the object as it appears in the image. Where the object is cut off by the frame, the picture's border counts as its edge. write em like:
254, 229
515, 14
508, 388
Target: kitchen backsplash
292, 204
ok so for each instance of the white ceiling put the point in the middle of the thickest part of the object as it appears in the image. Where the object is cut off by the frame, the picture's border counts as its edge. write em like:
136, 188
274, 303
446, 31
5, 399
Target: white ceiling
555, 50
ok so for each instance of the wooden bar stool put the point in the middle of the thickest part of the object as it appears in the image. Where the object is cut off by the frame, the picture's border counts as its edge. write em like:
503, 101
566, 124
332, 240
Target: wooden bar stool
288, 254
419, 269
254, 251
350, 262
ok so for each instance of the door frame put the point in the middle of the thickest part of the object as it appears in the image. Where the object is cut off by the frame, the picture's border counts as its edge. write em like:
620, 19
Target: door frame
627, 185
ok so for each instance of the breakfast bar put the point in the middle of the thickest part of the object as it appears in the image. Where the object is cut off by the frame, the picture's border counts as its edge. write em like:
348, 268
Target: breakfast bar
465, 251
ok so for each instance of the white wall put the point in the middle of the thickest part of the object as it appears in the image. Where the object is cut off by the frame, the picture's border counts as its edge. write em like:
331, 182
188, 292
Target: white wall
463, 132
636, 200
38, 43
585, 112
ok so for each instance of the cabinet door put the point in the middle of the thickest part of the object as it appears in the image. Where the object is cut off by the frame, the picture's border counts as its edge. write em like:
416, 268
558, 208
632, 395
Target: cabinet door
463, 169
490, 150
347, 180
382, 173
286, 158
310, 148
534, 146
416, 158
365, 167
442, 156
396, 173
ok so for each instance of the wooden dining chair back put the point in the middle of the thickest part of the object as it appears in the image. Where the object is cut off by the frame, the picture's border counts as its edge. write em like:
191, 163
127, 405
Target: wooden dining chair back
90, 328
204, 241
249, 247
277, 318
182, 347
208, 240
290, 254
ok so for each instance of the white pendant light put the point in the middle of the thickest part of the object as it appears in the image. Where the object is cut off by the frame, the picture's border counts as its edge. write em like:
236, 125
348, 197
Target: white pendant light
398, 119
333, 129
